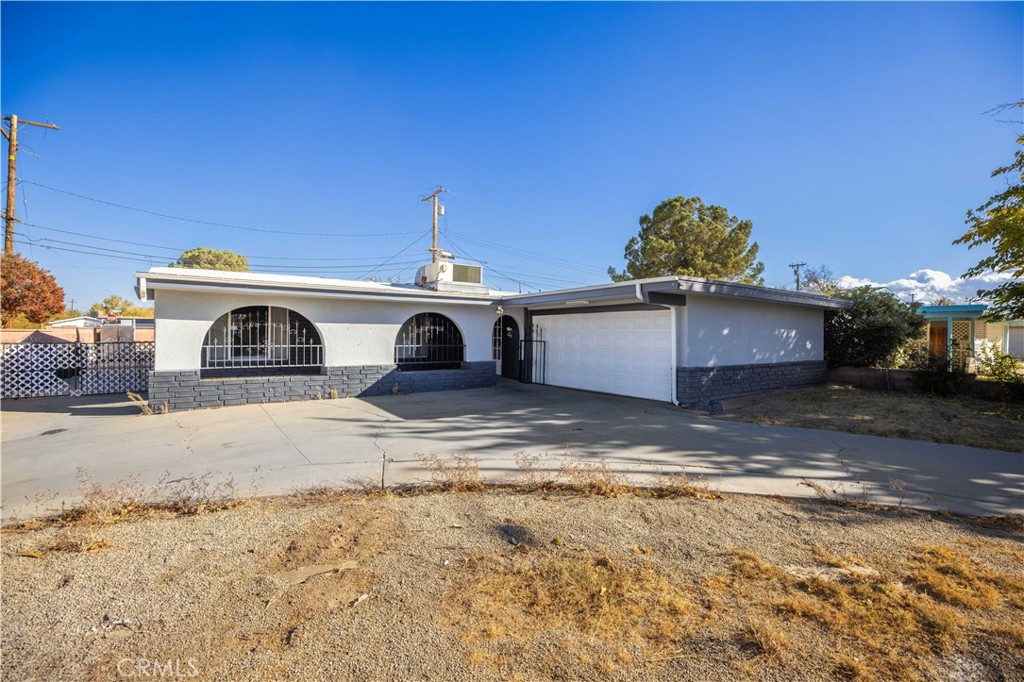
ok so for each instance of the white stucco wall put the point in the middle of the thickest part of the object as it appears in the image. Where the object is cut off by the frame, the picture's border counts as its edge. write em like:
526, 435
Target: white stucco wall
353, 332
721, 331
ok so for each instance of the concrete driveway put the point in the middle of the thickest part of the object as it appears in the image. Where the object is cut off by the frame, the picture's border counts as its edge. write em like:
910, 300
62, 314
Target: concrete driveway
278, 448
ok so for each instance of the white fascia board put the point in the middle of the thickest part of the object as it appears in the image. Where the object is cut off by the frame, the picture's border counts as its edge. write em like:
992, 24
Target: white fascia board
712, 288
249, 289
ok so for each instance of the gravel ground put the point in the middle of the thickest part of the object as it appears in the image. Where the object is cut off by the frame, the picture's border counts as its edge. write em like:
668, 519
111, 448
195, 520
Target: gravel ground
370, 588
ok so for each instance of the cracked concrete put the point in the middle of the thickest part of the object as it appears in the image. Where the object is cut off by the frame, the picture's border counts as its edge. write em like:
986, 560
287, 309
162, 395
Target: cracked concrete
281, 447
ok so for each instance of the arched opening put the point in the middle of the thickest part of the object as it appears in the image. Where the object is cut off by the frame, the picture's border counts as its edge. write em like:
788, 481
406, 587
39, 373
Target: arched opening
505, 344
429, 341
261, 340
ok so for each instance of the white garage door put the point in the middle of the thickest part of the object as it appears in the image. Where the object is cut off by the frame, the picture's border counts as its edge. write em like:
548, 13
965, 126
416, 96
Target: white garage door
1017, 341
625, 353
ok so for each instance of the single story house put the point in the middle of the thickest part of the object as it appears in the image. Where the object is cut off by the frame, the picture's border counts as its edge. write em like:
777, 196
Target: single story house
959, 333
80, 321
227, 338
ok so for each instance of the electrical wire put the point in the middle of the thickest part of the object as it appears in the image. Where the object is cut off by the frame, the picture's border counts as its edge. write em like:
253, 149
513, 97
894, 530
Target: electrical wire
411, 244
366, 259
215, 224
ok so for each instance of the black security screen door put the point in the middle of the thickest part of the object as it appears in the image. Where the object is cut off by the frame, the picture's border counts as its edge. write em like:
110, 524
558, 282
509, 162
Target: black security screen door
506, 346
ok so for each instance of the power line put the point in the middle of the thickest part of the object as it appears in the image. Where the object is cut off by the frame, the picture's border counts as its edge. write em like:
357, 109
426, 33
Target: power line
410, 245
114, 240
215, 224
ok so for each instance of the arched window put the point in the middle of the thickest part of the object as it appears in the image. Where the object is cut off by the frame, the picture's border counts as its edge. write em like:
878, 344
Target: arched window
261, 339
429, 341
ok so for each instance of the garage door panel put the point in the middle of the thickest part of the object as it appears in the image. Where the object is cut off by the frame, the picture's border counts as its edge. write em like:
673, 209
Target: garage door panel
625, 353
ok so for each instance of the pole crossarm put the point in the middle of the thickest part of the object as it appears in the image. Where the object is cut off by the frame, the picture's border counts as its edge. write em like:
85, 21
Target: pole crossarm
432, 197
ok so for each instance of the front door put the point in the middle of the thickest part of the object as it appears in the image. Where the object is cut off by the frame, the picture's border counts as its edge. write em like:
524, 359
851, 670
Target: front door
937, 340
508, 328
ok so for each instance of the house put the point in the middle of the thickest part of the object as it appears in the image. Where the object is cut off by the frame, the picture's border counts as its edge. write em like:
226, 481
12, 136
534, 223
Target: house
80, 321
226, 338
959, 333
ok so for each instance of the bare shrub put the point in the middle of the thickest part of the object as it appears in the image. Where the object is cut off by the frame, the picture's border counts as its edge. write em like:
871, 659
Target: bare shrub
192, 495
102, 505
140, 402
679, 484
594, 478
458, 473
531, 474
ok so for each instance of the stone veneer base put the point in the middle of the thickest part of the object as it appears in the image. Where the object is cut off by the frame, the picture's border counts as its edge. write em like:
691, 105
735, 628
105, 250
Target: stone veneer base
187, 390
704, 385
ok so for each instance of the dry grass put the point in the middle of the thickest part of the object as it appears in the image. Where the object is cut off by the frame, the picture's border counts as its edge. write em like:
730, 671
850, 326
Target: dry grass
458, 473
606, 612
601, 613
884, 624
140, 402
594, 478
680, 484
954, 578
959, 420
504, 585
129, 499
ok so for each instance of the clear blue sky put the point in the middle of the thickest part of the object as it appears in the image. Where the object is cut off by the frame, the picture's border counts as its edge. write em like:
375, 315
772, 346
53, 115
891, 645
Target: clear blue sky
850, 134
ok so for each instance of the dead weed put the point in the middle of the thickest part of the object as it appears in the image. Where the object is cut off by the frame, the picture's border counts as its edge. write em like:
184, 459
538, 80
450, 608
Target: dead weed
600, 613
458, 473
878, 624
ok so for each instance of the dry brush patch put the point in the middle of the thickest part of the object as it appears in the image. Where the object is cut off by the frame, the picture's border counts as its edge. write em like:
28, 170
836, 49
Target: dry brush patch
958, 420
564, 613
893, 623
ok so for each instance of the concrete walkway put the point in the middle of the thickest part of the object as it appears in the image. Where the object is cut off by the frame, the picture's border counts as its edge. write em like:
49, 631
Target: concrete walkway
279, 448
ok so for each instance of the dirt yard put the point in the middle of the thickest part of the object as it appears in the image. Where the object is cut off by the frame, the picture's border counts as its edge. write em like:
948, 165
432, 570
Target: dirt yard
964, 421
500, 585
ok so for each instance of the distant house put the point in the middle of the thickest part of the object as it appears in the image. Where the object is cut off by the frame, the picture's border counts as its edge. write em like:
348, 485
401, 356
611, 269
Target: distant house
230, 338
80, 321
959, 333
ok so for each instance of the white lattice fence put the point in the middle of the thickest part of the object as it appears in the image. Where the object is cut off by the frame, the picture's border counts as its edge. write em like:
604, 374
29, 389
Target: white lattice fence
963, 351
33, 370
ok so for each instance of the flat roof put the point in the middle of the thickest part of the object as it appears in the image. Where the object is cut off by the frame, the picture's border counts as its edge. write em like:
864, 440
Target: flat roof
964, 312
220, 280
629, 291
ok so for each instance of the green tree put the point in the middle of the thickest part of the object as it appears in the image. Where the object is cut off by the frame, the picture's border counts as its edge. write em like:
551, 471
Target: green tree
27, 290
201, 258
116, 305
66, 314
689, 238
999, 224
871, 332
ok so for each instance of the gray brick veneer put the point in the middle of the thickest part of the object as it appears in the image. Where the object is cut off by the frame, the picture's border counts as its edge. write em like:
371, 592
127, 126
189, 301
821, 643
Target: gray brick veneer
186, 390
703, 385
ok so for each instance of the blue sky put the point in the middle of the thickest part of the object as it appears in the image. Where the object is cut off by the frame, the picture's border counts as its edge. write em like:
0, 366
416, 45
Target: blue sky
852, 135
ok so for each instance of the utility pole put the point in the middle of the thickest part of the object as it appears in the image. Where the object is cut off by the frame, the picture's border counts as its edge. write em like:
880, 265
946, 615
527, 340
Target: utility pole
432, 197
12, 159
796, 272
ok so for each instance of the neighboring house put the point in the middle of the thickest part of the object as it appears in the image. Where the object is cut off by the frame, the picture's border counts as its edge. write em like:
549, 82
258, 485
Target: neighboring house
959, 333
227, 338
80, 321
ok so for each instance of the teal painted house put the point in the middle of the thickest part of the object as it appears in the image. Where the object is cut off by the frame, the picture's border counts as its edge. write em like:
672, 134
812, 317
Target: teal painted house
959, 332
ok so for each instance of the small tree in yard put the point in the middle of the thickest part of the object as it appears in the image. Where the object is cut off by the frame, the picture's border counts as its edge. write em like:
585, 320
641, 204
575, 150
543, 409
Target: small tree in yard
871, 332
28, 292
